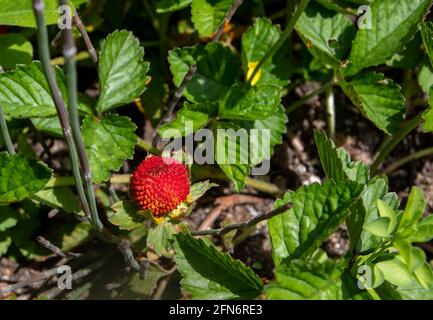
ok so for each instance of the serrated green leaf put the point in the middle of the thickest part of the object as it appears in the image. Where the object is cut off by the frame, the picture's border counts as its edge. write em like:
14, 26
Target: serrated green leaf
336, 162
378, 98
207, 15
14, 49
306, 280
61, 198
276, 124
316, 211
232, 152
189, 119
393, 23
243, 102
210, 274
328, 35
109, 141
163, 6
256, 42
122, 71
125, 215
8, 217
21, 177
24, 92
159, 238
217, 69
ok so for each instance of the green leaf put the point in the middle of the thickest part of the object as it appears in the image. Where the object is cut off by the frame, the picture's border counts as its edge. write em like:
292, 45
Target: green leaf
385, 211
243, 102
317, 210
125, 215
24, 92
424, 230
109, 141
69, 236
379, 227
189, 119
61, 198
122, 71
366, 211
393, 23
336, 162
217, 70
159, 238
21, 177
232, 152
198, 189
20, 13
428, 115
5, 242
378, 98
395, 271
14, 49
256, 42
163, 6
210, 274
328, 35
50, 126
8, 218
306, 280
207, 15
276, 124
427, 38
412, 213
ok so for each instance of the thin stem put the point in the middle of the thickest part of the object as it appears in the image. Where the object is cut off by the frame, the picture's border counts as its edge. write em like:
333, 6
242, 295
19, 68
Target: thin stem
244, 225
386, 148
308, 97
62, 113
174, 101
86, 38
286, 33
148, 147
229, 15
5, 133
412, 157
69, 52
330, 112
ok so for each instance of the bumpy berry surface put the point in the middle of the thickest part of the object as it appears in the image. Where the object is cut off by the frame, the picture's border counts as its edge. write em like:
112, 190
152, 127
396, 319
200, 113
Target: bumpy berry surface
160, 185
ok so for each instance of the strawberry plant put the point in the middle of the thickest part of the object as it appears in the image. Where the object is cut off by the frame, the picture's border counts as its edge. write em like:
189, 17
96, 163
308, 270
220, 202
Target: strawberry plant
188, 142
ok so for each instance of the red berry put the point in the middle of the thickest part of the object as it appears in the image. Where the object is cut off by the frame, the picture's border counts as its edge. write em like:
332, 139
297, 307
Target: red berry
160, 185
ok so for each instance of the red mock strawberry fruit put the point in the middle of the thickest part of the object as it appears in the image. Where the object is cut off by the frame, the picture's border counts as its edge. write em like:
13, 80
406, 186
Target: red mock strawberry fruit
160, 185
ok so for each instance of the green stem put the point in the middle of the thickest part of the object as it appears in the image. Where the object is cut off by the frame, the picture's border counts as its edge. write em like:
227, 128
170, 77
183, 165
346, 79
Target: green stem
330, 112
286, 33
44, 56
148, 147
5, 133
412, 157
387, 147
308, 97
69, 52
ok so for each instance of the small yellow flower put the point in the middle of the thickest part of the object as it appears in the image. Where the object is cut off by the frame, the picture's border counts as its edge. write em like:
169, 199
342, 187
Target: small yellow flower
251, 66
